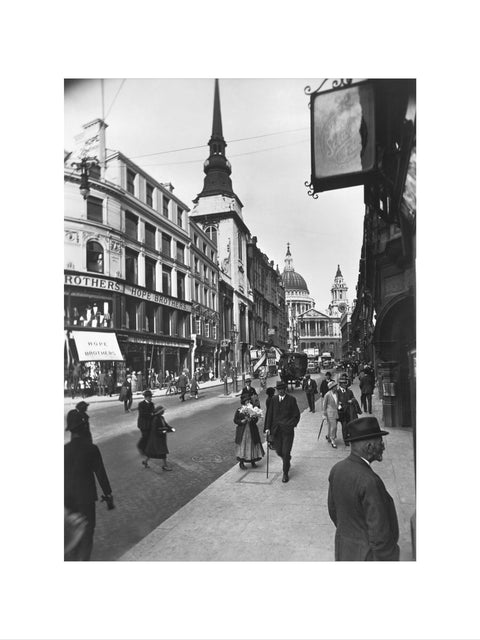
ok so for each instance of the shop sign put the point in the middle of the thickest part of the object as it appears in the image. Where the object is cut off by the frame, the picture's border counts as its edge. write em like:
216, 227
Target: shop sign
343, 136
94, 282
96, 346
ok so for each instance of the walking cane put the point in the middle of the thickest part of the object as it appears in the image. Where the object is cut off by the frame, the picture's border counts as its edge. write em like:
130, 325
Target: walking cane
320, 429
268, 450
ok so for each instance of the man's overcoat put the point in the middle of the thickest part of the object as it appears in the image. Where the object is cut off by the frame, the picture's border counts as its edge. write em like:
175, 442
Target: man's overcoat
363, 512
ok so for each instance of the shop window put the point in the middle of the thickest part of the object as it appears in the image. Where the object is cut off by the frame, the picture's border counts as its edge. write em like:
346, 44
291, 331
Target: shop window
94, 209
165, 204
84, 311
180, 286
150, 280
131, 308
150, 316
94, 256
181, 253
131, 181
150, 195
167, 280
131, 225
166, 244
150, 232
131, 266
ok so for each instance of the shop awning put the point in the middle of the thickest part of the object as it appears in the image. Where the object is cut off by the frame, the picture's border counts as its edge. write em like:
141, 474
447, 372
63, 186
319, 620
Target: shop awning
96, 345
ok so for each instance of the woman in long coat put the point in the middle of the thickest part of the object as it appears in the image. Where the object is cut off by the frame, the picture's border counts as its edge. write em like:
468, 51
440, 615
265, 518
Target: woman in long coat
330, 412
248, 445
156, 446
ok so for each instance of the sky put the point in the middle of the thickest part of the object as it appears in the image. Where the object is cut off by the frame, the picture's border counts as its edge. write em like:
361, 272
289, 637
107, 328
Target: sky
266, 123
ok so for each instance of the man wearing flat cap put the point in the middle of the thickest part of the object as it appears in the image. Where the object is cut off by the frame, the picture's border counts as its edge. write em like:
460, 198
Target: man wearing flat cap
282, 418
358, 503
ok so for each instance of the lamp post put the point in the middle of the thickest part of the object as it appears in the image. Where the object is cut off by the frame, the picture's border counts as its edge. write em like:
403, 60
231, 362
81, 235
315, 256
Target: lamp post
234, 336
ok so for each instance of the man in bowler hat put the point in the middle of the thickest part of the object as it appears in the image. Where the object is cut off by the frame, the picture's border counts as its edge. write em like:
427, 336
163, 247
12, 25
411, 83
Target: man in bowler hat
358, 503
79, 414
281, 419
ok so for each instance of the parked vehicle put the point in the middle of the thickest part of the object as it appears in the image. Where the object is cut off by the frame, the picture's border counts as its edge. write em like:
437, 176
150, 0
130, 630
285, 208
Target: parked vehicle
327, 360
293, 367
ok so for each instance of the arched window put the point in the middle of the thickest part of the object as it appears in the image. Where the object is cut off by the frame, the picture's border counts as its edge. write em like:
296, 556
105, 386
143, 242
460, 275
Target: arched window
94, 256
211, 232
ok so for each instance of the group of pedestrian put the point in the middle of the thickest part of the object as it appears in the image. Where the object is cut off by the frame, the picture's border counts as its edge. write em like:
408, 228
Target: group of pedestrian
153, 428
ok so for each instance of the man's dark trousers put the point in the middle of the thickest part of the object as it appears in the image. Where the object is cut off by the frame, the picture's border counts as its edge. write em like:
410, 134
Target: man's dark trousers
366, 398
283, 442
311, 401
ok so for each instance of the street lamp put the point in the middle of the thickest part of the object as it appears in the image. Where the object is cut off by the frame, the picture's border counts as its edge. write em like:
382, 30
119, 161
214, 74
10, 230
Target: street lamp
234, 336
84, 166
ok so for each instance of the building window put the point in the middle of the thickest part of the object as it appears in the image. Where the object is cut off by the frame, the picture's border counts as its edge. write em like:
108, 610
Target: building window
94, 256
131, 266
150, 280
195, 240
211, 232
131, 225
164, 320
181, 253
131, 181
205, 273
150, 232
95, 209
166, 280
88, 312
150, 195
179, 216
205, 297
195, 262
150, 317
180, 286
198, 326
207, 330
213, 277
214, 302
166, 243
214, 331
165, 204
240, 246
204, 248
197, 293
131, 313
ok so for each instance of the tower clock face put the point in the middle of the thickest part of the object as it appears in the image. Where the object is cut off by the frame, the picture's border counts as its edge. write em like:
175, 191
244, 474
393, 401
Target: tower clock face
342, 307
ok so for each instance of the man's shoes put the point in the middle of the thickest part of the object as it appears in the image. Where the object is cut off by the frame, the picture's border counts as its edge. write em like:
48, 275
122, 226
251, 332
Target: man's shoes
327, 438
165, 468
285, 477
253, 465
333, 444
242, 465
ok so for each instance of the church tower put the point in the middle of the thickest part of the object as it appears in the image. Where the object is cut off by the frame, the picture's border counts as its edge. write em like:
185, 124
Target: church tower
218, 210
339, 303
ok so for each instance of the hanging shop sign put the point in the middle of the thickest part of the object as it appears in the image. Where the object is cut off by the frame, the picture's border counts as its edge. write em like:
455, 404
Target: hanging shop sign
94, 346
343, 135
94, 282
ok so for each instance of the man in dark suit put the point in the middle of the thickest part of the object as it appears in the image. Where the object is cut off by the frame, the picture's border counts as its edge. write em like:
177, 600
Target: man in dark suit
310, 388
145, 417
250, 392
358, 503
345, 405
324, 384
282, 418
82, 463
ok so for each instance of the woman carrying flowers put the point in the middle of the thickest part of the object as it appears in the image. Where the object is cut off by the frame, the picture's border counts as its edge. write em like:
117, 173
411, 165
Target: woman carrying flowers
248, 446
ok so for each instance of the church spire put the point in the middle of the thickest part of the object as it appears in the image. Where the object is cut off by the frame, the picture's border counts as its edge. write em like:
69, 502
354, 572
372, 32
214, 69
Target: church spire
339, 273
288, 260
216, 167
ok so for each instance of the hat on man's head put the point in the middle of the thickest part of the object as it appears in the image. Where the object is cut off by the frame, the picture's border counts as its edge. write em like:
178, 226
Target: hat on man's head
332, 384
280, 385
364, 429
343, 378
81, 405
248, 379
148, 393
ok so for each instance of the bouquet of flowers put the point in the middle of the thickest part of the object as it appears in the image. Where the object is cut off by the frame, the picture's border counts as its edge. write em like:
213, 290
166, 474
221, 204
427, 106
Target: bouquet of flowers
249, 411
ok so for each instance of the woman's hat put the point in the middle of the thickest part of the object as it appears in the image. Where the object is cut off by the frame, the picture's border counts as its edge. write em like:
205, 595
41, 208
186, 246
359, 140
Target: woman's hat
147, 392
158, 409
81, 404
364, 429
280, 385
332, 384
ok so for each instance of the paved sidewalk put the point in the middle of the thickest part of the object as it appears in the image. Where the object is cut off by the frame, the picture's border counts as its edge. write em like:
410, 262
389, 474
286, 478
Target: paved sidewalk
235, 517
